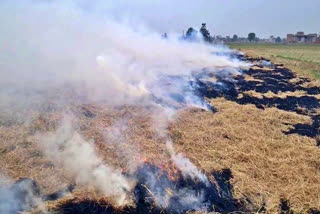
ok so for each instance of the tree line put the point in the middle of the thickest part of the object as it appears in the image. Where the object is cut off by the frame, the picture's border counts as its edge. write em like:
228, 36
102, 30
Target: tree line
192, 34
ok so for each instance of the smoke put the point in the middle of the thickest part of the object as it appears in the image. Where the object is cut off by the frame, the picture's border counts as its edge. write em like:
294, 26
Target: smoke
57, 51
22, 195
118, 135
184, 164
69, 150
55, 55
169, 195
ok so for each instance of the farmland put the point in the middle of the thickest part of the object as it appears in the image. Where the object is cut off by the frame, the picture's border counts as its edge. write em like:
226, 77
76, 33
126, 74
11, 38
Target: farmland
133, 107
303, 59
260, 142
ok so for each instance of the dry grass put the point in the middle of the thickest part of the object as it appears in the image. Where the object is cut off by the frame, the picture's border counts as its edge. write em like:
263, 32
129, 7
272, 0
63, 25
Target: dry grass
280, 94
21, 154
267, 165
256, 68
285, 94
252, 93
251, 78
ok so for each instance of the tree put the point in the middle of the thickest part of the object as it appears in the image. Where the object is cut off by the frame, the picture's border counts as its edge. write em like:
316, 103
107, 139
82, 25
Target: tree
251, 37
235, 38
278, 39
191, 33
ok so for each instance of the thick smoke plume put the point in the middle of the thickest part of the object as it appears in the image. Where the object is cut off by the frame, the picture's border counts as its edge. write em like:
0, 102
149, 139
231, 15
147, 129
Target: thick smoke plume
58, 52
69, 150
55, 55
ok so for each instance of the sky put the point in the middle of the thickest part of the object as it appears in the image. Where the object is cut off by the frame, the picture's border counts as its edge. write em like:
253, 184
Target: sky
223, 17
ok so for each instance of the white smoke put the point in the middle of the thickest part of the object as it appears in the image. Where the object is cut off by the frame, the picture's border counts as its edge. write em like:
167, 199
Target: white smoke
185, 165
118, 135
22, 195
56, 51
188, 199
68, 149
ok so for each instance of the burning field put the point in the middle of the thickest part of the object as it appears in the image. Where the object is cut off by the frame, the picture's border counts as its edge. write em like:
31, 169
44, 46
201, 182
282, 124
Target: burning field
100, 117
245, 150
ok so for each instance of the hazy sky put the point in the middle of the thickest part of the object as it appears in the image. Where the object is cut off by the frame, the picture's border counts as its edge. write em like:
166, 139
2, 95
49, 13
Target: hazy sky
224, 17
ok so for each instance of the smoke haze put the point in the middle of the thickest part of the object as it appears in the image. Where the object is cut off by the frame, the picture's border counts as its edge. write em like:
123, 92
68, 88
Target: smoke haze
49, 46
18, 196
55, 53
69, 150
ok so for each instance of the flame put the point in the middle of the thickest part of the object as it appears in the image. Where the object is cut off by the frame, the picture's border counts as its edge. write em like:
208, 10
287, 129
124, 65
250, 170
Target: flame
171, 170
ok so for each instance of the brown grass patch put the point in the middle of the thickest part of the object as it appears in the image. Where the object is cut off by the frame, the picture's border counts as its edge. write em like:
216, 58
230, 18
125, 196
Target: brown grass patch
267, 164
253, 93
251, 78
256, 68
285, 94
280, 94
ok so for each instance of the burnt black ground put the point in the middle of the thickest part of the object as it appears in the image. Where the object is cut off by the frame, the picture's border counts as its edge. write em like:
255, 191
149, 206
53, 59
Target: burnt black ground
277, 80
209, 196
218, 195
154, 183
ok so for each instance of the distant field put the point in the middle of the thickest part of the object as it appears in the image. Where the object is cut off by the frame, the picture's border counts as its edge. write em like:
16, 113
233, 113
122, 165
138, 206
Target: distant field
303, 59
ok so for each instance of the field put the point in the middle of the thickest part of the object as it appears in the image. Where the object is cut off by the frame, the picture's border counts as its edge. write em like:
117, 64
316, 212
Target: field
304, 59
101, 114
261, 139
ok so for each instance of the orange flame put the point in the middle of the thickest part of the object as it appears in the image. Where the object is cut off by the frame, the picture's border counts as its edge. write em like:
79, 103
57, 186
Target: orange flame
171, 170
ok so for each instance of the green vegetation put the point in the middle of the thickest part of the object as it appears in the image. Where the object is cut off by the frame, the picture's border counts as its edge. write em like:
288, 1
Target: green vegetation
251, 36
316, 74
235, 37
303, 59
